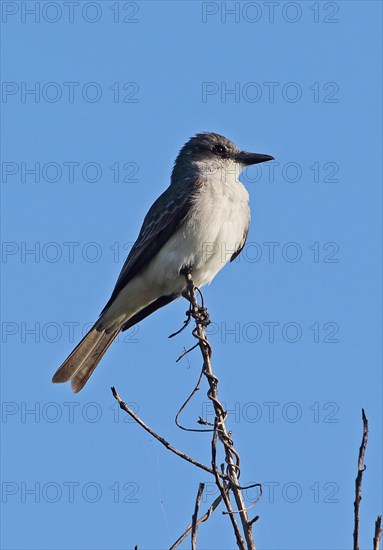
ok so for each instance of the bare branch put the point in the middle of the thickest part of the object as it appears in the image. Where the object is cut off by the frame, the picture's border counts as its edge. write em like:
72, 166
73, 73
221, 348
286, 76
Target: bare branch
227, 480
196, 388
203, 518
378, 532
201, 318
195, 516
131, 413
256, 518
358, 481
225, 493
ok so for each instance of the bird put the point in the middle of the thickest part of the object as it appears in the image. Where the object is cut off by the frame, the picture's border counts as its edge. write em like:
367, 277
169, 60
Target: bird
199, 223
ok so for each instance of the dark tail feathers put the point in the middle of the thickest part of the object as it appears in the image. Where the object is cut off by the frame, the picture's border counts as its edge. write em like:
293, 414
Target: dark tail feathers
85, 357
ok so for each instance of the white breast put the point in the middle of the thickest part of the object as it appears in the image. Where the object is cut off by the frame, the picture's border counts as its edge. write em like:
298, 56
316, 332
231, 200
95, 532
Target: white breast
212, 233
206, 241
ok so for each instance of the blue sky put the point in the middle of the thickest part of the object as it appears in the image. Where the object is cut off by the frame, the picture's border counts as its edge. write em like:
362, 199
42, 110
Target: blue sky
97, 99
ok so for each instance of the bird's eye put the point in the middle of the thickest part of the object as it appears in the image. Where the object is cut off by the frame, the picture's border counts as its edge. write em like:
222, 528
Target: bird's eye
219, 150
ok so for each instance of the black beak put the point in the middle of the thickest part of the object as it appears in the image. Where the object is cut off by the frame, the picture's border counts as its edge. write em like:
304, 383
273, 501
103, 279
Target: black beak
252, 158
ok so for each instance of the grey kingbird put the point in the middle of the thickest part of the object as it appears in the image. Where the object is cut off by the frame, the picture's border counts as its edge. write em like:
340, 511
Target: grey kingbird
204, 209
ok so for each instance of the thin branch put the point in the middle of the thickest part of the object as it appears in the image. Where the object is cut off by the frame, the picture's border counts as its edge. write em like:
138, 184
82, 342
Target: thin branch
196, 388
186, 322
203, 518
358, 481
256, 518
131, 413
227, 480
378, 532
201, 318
186, 352
195, 516
224, 493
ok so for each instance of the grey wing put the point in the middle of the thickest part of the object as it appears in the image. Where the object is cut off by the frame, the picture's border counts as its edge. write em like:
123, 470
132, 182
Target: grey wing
241, 244
167, 213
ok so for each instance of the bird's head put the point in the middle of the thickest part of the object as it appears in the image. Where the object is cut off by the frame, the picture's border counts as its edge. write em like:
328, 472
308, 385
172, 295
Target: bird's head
209, 152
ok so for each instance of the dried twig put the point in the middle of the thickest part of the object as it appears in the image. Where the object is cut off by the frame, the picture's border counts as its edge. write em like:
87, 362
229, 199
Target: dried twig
358, 481
195, 516
203, 518
224, 493
129, 411
196, 388
378, 532
232, 458
227, 480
